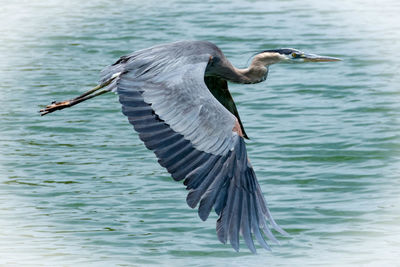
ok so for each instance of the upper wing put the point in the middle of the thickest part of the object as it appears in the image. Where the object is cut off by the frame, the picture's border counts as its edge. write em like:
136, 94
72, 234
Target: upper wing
163, 94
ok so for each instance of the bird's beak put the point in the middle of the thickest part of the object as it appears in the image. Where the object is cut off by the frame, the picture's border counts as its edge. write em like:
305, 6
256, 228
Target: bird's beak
317, 58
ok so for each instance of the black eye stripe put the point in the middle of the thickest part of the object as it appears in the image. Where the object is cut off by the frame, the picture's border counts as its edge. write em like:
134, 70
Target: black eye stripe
285, 51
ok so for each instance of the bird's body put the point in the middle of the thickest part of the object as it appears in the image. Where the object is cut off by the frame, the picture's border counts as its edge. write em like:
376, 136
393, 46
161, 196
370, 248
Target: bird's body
176, 97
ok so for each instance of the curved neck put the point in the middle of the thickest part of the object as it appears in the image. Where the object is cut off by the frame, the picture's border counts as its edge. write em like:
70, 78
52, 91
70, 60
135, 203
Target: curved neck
255, 73
258, 69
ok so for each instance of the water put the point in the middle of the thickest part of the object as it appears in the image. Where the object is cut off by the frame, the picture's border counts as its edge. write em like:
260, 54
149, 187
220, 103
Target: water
78, 187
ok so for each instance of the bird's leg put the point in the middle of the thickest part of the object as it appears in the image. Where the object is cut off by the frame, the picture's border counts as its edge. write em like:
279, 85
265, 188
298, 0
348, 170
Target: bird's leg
69, 103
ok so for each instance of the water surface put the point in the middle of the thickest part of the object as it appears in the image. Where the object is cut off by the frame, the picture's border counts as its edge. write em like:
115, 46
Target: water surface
78, 187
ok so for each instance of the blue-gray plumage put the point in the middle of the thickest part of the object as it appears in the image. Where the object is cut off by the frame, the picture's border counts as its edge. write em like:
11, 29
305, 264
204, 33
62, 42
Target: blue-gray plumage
176, 97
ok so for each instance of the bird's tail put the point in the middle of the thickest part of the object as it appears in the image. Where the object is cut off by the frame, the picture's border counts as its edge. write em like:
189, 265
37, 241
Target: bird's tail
111, 72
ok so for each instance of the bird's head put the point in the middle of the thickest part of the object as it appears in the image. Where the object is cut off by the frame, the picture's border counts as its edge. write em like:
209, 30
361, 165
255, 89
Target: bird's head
289, 55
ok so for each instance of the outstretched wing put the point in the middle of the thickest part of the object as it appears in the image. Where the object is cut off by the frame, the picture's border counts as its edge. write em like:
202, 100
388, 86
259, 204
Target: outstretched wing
163, 94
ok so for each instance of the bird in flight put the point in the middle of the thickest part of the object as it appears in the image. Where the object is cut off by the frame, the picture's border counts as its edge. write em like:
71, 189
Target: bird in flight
176, 97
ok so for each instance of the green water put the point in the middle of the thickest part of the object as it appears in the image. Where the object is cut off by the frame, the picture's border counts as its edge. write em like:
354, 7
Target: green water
78, 188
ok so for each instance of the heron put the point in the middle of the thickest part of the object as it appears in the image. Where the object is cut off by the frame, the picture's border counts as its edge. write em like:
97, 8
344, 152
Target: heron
177, 99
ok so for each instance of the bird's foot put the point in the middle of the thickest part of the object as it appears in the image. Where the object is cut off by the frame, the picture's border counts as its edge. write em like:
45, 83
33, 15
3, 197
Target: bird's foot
55, 106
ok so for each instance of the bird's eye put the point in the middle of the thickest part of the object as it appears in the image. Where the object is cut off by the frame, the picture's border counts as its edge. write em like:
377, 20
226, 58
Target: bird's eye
294, 54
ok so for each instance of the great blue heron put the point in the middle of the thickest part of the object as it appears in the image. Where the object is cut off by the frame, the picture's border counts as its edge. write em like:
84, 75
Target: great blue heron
176, 97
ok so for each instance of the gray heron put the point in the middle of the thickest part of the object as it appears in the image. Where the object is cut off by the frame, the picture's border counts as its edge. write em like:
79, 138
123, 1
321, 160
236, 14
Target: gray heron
176, 97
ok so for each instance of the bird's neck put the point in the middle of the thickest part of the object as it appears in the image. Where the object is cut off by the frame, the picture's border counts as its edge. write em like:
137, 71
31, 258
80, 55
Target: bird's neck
255, 73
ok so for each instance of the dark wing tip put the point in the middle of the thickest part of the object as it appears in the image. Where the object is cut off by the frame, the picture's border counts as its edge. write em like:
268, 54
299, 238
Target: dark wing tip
236, 196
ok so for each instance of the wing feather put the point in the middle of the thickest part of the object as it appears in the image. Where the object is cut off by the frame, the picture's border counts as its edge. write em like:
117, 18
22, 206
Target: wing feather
209, 198
164, 96
246, 222
234, 221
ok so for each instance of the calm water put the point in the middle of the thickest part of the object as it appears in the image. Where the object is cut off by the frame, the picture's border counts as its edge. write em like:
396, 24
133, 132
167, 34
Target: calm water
78, 188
